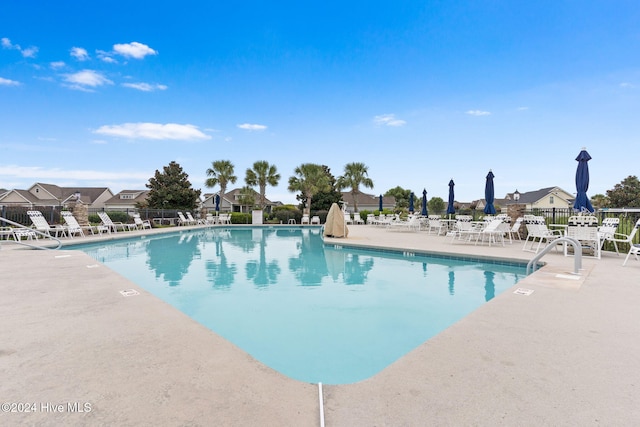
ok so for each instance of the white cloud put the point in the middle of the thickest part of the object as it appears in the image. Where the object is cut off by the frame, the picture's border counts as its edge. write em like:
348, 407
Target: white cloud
388, 120
29, 52
7, 82
478, 113
145, 87
79, 53
57, 64
106, 57
134, 50
249, 126
85, 79
155, 131
627, 85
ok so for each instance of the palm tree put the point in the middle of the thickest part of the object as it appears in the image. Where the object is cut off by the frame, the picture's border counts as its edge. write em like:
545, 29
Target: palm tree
262, 174
355, 175
221, 173
310, 179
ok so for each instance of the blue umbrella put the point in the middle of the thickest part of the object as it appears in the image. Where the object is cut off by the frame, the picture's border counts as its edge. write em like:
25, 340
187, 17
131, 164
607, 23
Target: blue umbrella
424, 212
411, 202
450, 208
217, 203
489, 209
380, 204
582, 182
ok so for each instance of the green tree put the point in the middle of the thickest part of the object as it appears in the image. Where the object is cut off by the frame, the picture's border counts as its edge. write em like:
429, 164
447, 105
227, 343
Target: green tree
220, 173
309, 179
599, 201
401, 195
436, 205
323, 200
171, 189
262, 174
355, 175
625, 194
247, 197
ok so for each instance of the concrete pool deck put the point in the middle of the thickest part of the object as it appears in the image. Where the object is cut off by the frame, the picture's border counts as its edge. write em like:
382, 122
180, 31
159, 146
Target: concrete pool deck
567, 354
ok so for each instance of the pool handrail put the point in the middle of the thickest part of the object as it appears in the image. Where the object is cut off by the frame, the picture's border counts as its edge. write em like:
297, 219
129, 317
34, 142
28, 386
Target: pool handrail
577, 254
20, 242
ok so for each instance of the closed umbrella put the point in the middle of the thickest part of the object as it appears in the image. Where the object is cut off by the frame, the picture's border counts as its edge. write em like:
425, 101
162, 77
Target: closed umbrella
489, 209
217, 203
450, 209
424, 203
582, 182
411, 202
380, 204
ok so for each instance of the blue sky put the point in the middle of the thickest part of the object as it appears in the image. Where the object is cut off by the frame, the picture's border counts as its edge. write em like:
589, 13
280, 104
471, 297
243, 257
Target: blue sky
103, 94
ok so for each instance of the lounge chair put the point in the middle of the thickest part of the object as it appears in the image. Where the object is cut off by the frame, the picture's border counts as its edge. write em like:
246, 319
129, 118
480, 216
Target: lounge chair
357, 219
72, 227
584, 228
347, 218
140, 223
315, 219
436, 224
412, 223
514, 231
41, 224
493, 231
305, 219
182, 220
635, 250
224, 218
113, 226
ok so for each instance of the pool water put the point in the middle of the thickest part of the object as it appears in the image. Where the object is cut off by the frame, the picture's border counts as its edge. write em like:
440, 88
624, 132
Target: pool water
314, 312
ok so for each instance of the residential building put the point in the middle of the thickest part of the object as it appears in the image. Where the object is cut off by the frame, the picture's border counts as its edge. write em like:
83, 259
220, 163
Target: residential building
50, 195
368, 202
126, 200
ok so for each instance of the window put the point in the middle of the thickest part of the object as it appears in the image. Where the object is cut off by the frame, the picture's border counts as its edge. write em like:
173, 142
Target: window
126, 196
550, 200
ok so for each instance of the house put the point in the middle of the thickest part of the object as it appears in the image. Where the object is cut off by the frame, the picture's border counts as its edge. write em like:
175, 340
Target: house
230, 202
41, 194
126, 200
545, 198
368, 202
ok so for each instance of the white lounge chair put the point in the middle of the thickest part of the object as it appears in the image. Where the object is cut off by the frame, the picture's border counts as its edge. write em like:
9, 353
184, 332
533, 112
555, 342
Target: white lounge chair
224, 218
493, 232
192, 220
113, 226
140, 223
182, 220
315, 219
72, 227
514, 231
305, 219
41, 224
347, 218
357, 219
412, 223
436, 224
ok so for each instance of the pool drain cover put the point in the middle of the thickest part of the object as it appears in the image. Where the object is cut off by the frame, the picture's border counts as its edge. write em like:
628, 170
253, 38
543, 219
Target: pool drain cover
523, 291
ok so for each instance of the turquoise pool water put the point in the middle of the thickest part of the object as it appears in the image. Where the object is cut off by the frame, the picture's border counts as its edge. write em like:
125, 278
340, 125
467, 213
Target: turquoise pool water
315, 313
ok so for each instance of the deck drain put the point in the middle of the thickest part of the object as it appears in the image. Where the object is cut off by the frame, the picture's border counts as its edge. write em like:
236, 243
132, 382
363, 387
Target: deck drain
523, 291
129, 292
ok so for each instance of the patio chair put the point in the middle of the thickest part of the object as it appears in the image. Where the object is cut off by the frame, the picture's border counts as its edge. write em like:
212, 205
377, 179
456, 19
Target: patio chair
514, 231
41, 224
113, 226
436, 224
140, 223
608, 230
493, 232
623, 238
357, 219
315, 219
347, 218
191, 219
537, 229
305, 219
72, 227
635, 250
182, 220
225, 218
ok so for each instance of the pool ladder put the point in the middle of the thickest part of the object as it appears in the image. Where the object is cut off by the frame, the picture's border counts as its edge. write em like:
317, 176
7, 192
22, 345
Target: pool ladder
31, 230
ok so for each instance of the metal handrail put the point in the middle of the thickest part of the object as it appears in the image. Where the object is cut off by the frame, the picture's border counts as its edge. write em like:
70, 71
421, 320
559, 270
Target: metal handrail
577, 254
20, 242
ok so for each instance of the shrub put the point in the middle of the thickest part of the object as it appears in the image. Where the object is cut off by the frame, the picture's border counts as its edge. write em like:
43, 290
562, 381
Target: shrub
240, 218
119, 217
283, 215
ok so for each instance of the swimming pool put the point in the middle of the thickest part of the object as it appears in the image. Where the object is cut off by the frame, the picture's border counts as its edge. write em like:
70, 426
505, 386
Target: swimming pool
314, 312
